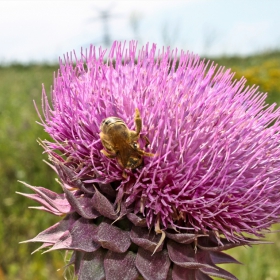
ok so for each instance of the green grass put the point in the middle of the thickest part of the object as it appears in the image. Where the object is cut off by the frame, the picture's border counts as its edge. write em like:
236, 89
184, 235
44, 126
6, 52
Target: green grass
259, 262
21, 159
262, 70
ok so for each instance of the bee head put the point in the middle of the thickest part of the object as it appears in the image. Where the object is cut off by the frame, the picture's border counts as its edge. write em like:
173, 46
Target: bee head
109, 122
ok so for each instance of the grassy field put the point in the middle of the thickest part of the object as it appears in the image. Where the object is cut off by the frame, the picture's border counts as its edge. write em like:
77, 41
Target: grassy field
21, 159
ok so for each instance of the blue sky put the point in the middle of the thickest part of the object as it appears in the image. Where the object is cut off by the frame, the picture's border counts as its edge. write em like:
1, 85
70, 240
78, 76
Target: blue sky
41, 30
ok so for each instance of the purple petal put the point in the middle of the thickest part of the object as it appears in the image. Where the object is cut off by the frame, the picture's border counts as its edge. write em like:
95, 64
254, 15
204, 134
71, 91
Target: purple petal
111, 237
153, 267
46, 209
145, 239
78, 238
52, 201
218, 272
43, 246
90, 265
69, 177
220, 257
184, 255
107, 190
211, 244
120, 266
103, 206
137, 221
82, 205
184, 238
123, 211
181, 273
54, 233
212, 269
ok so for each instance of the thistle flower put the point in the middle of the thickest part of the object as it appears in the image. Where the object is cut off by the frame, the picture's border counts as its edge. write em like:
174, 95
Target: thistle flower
214, 176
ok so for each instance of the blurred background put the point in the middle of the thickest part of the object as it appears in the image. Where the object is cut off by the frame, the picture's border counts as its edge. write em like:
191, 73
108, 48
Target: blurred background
40, 31
241, 35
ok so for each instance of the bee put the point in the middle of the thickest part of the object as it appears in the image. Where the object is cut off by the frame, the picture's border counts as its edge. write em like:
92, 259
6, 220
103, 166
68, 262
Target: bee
122, 143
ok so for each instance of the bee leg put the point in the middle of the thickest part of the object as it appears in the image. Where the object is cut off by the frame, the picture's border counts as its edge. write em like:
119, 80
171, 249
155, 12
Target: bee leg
138, 122
148, 154
134, 135
124, 174
147, 141
143, 153
108, 155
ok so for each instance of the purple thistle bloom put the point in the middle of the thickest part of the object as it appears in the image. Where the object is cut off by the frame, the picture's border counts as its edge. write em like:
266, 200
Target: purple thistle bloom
214, 175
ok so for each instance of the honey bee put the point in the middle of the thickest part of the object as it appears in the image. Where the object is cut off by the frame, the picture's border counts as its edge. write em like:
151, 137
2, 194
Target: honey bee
122, 143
